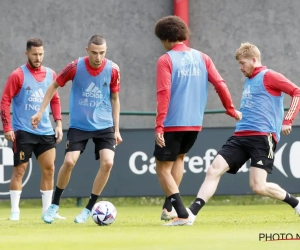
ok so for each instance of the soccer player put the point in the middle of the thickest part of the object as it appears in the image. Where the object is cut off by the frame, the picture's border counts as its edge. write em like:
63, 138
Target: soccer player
183, 74
258, 133
94, 114
25, 88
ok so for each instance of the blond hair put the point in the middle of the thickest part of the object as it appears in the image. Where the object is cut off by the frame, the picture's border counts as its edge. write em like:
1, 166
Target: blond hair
247, 50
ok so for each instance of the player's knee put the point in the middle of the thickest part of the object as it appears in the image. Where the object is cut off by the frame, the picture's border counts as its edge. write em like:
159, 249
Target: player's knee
213, 171
48, 171
18, 174
69, 164
107, 165
258, 188
19, 171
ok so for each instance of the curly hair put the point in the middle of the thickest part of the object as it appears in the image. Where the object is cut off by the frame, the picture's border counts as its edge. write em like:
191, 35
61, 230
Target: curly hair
172, 28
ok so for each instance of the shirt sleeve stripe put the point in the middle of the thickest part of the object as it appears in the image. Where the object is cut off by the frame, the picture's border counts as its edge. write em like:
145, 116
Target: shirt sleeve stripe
292, 109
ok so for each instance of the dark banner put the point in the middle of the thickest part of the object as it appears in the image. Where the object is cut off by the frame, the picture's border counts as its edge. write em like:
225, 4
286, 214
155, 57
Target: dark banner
133, 173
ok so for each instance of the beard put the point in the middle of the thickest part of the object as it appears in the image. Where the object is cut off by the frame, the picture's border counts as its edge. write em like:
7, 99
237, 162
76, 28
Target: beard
32, 64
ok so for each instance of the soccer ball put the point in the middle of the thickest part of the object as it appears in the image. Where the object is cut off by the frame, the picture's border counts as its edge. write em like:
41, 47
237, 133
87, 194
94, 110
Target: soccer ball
104, 213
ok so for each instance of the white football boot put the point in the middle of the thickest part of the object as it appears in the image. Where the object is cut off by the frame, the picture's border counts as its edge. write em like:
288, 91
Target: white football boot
166, 216
181, 221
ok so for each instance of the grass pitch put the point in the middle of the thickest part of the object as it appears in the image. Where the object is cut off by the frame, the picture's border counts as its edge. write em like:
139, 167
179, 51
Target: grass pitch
139, 227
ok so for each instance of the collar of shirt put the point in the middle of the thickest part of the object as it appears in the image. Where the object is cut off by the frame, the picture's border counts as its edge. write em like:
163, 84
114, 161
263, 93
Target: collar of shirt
91, 69
257, 70
180, 47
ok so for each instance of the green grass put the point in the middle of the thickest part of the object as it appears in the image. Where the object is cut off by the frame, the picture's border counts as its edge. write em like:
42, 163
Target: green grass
138, 227
155, 201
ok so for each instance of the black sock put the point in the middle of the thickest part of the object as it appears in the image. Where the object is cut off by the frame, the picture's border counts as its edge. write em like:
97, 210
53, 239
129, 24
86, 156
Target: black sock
92, 201
57, 194
178, 206
196, 206
291, 200
167, 205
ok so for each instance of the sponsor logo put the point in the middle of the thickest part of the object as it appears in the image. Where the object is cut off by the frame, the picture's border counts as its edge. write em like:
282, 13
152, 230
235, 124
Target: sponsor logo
32, 107
293, 159
247, 93
92, 91
86, 102
140, 163
195, 164
189, 67
246, 97
35, 95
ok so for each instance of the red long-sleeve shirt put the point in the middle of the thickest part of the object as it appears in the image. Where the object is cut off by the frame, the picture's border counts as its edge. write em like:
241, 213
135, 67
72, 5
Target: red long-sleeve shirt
12, 88
275, 83
163, 86
69, 72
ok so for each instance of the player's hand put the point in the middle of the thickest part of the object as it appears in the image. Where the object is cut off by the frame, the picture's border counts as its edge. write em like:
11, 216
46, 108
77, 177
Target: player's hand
238, 116
286, 129
10, 135
118, 138
35, 119
58, 134
160, 140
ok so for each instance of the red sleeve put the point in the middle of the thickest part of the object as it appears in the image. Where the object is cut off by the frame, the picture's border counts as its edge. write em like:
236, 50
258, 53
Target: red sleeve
115, 79
67, 74
163, 88
55, 104
219, 84
275, 83
11, 89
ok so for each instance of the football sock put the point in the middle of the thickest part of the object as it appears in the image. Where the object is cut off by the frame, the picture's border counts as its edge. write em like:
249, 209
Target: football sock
167, 205
15, 200
92, 201
46, 199
57, 194
291, 200
196, 206
178, 206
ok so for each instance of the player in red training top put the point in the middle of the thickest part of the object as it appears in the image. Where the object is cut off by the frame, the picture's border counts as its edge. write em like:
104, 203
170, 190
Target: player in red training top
258, 133
25, 88
94, 114
183, 74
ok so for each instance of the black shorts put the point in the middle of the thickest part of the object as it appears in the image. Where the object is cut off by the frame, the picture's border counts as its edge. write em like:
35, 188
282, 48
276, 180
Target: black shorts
103, 139
25, 143
176, 143
239, 149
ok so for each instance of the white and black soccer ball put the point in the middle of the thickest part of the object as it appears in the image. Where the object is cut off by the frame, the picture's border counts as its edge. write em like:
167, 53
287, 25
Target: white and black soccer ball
104, 213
